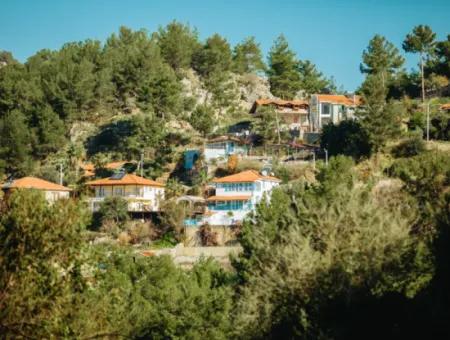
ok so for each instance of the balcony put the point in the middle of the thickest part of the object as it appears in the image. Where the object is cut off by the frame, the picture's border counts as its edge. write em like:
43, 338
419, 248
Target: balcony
135, 203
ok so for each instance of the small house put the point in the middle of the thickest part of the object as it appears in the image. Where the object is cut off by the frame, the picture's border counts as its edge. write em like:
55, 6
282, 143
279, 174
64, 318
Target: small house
326, 108
224, 146
142, 194
52, 191
236, 196
89, 168
292, 114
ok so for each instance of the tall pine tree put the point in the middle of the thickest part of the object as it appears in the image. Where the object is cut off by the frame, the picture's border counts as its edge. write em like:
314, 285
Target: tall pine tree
382, 58
284, 76
421, 40
247, 57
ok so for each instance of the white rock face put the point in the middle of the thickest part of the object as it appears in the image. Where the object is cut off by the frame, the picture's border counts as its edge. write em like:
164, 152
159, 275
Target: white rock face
249, 88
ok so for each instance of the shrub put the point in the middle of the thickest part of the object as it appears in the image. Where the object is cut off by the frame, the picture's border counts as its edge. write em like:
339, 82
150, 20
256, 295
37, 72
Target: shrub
294, 172
114, 208
140, 232
308, 255
207, 236
409, 147
347, 138
232, 163
249, 164
110, 227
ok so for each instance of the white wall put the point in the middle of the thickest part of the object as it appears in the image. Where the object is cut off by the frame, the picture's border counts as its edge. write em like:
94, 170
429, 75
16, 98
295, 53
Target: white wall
221, 217
223, 152
52, 196
150, 196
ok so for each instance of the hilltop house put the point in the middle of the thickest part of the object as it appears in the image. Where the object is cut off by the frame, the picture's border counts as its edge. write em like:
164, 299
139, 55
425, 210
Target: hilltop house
52, 191
143, 195
224, 146
325, 108
292, 114
236, 196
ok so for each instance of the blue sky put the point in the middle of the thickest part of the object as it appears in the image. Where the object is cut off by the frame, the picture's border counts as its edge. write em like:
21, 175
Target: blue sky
332, 34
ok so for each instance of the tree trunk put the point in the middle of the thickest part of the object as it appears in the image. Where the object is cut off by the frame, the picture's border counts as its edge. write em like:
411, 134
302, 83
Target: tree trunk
278, 127
423, 78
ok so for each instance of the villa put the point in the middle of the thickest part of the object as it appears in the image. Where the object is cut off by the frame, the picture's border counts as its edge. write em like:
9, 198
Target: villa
52, 191
142, 194
325, 108
224, 146
293, 114
236, 196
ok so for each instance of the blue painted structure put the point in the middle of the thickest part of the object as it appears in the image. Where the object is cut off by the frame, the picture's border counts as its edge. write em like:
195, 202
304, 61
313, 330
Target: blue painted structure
190, 157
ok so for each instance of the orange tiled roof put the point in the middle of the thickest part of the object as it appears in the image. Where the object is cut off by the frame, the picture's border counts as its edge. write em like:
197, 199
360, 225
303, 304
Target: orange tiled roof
445, 106
339, 99
245, 176
229, 198
128, 179
34, 183
89, 168
281, 102
278, 102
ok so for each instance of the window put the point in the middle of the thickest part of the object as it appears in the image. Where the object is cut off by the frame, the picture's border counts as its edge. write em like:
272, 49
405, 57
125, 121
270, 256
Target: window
101, 192
118, 191
326, 109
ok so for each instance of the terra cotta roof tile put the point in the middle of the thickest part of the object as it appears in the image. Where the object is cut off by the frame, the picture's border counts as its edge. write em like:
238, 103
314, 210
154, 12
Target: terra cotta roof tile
128, 179
34, 183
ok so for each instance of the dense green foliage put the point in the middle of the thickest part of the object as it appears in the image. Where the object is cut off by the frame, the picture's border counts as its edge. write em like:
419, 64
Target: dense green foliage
40, 264
381, 57
325, 249
346, 138
340, 251
283, 72
247, 57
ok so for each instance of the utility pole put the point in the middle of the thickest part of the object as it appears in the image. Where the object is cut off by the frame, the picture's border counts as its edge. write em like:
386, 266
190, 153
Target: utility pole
278, 127
142, 163
60, 174
428, 121
326, 157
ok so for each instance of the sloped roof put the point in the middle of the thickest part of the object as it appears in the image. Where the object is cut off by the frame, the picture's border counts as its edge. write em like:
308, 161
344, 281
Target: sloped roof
245, 176
229, 198
128, 179
226, 138
34, 183
445, 106
89, 168
281, 102
340, 99
278, 102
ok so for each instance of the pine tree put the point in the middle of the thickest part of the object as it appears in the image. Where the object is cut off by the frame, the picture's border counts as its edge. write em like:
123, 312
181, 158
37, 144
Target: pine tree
380, 119
15, 144
381, 57
178, 42
215, 56
49, 130
312, 80
247, 57
283, 72
202, 119
421, 40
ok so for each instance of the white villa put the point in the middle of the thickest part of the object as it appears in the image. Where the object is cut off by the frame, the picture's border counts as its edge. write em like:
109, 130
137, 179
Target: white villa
236, 196
52, 191
224, 146
325, 108
143, 195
